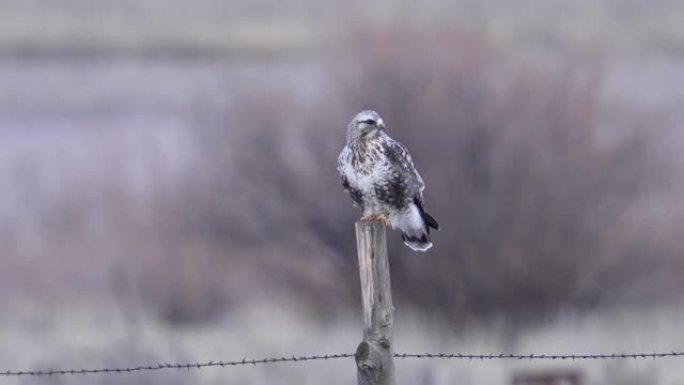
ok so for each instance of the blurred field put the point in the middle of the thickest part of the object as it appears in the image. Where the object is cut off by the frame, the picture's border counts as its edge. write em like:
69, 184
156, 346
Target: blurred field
168, 173
600, 28
92, 334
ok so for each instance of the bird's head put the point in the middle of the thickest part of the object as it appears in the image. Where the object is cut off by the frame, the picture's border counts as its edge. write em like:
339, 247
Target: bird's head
365, 123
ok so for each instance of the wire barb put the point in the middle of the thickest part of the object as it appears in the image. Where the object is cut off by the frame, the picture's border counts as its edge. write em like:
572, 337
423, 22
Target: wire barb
255, 362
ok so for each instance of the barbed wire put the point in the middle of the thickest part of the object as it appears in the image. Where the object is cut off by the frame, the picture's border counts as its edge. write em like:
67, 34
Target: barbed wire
254, 362
532, 357
188, 366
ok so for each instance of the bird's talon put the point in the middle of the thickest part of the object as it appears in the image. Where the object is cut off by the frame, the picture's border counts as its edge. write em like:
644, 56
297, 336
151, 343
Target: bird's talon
384, 220
376, 218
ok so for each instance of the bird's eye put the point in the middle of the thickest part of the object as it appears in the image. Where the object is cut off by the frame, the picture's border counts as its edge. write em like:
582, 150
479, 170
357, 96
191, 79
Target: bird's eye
369, 121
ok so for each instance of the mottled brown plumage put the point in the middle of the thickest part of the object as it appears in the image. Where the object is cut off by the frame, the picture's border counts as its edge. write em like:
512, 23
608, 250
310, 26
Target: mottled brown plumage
380, 176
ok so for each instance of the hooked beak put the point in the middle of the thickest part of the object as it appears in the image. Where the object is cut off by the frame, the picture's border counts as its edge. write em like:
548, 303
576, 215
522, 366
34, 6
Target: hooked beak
381, 124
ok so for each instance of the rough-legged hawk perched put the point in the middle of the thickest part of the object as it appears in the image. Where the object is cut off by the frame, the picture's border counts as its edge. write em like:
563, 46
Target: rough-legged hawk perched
379, 174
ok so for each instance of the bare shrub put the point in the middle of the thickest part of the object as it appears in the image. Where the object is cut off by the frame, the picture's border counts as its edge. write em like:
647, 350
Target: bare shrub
531, 194
525, 186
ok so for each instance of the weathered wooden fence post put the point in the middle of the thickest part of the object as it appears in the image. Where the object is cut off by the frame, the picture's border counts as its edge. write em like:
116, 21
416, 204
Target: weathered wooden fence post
375, 354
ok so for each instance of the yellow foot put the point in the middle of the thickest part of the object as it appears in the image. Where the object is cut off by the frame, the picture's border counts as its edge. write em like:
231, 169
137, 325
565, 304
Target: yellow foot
376, 218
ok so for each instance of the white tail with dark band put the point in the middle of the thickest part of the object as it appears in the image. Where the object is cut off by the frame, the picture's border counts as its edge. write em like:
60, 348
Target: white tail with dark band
415, 227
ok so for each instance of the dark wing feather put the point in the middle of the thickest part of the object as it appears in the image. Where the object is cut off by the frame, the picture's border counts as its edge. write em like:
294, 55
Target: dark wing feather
401, 161
392, 190
427, 218
355, 193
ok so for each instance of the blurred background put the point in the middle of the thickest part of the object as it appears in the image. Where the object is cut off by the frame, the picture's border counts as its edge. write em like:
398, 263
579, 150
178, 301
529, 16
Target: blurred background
169, 190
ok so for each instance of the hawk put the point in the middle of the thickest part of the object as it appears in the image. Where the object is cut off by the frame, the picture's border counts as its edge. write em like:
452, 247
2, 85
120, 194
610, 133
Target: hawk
380, 176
